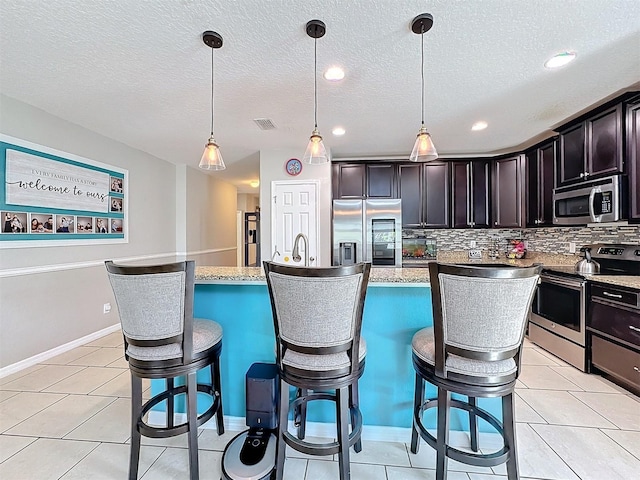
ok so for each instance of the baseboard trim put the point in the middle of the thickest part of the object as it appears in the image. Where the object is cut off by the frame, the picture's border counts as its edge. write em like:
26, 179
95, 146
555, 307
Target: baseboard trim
41, 357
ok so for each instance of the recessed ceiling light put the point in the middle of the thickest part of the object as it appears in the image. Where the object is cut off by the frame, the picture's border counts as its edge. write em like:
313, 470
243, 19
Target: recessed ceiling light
338, 131
334, 74
560, 59
254, 183
479, 126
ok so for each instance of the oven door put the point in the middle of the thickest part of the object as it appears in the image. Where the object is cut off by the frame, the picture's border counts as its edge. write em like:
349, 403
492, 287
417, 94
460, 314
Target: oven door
560, 306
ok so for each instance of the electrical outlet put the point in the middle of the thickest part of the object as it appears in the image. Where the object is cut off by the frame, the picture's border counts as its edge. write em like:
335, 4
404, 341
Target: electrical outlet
572, 247
106, 308
475, 254
473, 244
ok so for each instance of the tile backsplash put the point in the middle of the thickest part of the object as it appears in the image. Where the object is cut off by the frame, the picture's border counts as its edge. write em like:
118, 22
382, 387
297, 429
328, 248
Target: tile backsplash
542, 240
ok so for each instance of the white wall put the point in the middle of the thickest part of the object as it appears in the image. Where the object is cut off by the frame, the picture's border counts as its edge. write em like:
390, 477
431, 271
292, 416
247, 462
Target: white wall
272, 168
50, 296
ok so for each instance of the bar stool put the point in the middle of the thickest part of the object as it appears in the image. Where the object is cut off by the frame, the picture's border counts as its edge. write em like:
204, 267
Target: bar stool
317, 317
162, 340
473, 349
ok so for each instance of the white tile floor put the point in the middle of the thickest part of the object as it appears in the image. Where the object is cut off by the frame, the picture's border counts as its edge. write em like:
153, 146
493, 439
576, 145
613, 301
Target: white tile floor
68, 418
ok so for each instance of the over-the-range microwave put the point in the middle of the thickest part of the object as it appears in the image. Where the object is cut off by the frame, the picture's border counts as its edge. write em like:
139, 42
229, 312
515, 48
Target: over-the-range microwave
595, 201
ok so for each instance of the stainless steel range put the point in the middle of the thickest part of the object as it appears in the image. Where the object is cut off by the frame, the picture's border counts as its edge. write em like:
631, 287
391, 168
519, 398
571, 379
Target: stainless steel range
559, 311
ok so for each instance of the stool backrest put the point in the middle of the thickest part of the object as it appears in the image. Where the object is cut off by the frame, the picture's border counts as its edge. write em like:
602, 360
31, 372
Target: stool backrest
317, 310
480, 312
155, 303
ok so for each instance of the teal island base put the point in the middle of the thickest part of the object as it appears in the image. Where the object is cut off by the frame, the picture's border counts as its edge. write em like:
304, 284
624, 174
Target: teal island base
393, 313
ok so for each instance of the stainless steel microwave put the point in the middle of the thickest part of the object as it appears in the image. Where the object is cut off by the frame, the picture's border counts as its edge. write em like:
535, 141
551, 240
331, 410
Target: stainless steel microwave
595, 201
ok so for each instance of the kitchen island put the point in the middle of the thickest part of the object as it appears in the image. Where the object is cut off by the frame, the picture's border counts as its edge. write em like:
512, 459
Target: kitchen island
397, 305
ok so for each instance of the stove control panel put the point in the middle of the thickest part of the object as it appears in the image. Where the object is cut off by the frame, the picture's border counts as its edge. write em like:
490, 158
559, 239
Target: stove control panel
611, 251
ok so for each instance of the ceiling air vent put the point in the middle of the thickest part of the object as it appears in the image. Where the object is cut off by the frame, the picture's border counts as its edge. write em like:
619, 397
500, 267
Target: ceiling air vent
264, 124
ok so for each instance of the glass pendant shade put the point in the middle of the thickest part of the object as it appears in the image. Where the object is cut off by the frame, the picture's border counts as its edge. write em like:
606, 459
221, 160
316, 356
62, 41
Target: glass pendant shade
315, 153
212, 157
423, 150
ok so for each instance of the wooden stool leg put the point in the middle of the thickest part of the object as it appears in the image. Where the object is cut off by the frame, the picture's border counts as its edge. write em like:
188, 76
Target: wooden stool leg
215, 381
444, 400
473, 425
192, 419
170, 403
300, 415
418, 399
283, 420
509, 425
354, 403
136, 410
342, 416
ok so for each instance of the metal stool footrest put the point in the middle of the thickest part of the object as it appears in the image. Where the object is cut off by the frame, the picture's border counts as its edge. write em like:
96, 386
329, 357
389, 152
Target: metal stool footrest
477, 459
170, 431
328, 448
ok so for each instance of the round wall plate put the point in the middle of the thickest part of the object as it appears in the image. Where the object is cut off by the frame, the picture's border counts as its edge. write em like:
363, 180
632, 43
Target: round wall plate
293, 166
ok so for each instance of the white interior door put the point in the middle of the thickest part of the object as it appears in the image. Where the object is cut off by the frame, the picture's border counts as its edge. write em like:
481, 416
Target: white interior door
294, 211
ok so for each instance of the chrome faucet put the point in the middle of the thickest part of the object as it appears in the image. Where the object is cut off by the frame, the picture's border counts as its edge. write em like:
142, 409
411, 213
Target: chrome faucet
296, 253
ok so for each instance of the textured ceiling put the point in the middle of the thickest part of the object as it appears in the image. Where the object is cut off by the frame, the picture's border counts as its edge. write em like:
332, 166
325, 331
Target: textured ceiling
138, 72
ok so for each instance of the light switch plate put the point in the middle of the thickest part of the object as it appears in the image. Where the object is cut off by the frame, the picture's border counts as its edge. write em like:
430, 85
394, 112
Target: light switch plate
475, 254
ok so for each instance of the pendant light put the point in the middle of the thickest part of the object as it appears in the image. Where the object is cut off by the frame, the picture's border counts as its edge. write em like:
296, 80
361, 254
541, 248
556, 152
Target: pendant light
423, 150
212, 158
315, 153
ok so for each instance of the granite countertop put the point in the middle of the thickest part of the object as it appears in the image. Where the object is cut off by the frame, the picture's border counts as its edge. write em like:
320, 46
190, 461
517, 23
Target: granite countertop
238, 275
420, 276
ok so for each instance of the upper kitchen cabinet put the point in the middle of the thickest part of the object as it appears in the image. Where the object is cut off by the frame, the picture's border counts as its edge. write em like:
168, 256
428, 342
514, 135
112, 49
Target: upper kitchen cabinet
633, 159
424, 190
540, 160
381, 180
470, 193
507, 199
348, 180
364, 180
591, 147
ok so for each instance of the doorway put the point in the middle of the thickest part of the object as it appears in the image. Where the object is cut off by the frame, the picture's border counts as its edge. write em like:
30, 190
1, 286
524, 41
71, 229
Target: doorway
295, 210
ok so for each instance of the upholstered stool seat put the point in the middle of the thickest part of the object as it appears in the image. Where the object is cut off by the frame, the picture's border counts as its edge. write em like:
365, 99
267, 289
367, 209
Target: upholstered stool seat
162, 340
424, 347
473, 350
317, 315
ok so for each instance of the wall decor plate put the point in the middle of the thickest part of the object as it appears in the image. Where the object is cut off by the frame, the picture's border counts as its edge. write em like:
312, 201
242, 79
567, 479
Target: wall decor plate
293, 166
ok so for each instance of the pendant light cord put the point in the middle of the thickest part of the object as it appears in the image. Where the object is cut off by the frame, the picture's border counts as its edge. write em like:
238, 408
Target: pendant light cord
422, 70
212, 89
315, 82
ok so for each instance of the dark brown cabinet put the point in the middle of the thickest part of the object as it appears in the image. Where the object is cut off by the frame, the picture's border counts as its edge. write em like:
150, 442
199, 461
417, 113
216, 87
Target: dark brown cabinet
507, 197
470, 194
633, 159
540, 161
424, 190
592, 147
364, 180
381, 181
613, 328
348, 180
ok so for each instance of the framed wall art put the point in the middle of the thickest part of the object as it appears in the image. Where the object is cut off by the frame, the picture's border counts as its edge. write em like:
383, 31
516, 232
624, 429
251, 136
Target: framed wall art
49, 197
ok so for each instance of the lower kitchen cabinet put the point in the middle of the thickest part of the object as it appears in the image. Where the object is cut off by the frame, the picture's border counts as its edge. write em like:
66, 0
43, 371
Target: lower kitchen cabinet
614, 331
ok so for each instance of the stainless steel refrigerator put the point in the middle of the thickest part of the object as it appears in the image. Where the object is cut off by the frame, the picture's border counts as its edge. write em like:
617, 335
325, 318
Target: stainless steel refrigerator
367, 231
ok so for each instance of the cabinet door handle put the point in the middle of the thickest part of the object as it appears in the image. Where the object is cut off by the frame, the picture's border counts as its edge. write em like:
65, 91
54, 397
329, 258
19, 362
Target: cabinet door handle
635, 329
612, 295
586, 174
581, 174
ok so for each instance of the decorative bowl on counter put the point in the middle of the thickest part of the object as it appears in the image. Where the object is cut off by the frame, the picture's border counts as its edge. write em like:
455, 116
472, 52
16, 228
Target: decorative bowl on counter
516, 250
